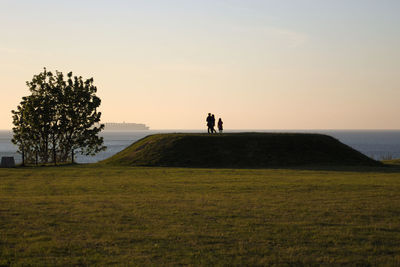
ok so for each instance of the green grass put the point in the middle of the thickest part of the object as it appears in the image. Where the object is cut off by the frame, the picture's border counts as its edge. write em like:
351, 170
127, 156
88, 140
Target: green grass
100, 215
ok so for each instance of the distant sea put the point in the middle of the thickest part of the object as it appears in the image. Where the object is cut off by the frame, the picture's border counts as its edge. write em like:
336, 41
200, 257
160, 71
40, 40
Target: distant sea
377, 144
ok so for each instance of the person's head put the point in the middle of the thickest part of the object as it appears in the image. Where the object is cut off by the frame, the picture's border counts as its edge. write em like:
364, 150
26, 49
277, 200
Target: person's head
213, 115
219, 119
209, 114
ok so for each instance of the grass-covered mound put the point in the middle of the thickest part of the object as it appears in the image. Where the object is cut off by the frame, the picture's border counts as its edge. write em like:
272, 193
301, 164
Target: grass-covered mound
239, 150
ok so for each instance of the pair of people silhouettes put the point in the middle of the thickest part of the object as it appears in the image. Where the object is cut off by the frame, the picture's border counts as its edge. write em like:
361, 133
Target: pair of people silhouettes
211, 124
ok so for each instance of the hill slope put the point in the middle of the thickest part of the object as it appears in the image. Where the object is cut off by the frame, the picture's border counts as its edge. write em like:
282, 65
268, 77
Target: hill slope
242, 150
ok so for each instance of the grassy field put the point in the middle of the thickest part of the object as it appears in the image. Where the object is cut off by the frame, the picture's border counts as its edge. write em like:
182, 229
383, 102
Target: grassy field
101, 215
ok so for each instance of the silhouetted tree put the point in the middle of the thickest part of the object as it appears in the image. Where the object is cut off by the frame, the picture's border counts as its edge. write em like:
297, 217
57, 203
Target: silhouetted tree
58, 118
79, 118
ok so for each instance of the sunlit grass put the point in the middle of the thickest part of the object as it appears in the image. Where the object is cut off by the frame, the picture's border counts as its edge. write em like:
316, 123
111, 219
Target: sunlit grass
106, 215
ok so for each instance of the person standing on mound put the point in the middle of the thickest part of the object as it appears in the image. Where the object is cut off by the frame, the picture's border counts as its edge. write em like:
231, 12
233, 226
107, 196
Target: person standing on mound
213, 124
209, 123
220, 128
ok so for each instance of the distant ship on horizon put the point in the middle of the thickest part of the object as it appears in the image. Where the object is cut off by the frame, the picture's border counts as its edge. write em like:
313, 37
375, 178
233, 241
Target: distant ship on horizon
124, 126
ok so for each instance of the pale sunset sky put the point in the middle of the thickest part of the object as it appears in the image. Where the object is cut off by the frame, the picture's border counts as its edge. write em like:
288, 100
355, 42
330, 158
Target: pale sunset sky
300, 64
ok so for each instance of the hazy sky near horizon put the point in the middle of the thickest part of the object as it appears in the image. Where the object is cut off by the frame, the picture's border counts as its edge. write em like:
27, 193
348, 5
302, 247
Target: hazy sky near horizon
300, 64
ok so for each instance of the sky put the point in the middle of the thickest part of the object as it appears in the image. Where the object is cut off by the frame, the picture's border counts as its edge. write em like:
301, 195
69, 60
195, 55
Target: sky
300, 64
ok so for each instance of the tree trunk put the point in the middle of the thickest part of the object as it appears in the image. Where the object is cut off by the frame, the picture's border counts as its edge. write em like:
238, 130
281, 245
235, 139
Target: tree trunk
23, 156
72, 156
46, 150
54, 151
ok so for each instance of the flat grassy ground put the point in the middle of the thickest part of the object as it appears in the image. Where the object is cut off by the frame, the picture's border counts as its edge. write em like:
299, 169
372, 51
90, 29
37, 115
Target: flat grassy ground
93, 214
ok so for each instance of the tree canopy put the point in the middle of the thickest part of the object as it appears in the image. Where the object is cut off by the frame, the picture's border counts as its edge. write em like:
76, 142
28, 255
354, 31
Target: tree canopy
57, 119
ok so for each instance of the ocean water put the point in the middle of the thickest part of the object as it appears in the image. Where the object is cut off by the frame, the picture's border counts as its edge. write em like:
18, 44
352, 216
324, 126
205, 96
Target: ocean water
377, 144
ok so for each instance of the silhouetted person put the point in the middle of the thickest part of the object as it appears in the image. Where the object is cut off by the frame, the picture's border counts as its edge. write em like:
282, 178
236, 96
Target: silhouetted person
220, 127
213, 124
209, 123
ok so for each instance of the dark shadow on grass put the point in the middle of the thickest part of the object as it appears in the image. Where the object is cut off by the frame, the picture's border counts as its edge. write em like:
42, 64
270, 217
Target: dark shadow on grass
50, 165
384, 168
